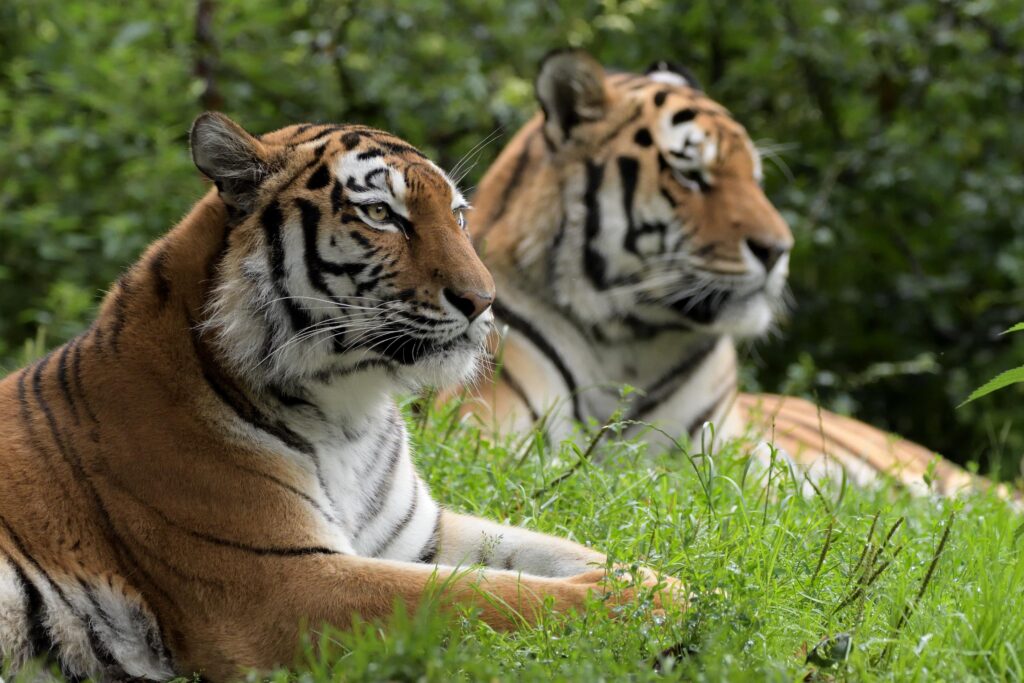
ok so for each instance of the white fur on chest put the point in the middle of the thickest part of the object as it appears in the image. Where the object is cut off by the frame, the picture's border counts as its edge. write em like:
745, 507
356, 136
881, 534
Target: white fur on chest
368, 483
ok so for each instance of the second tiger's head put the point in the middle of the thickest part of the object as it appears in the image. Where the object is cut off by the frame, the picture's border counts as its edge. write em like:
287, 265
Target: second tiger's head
633, 201
347, 253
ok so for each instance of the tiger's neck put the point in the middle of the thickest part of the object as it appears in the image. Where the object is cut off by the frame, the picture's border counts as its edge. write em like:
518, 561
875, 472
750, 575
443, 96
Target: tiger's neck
682, 378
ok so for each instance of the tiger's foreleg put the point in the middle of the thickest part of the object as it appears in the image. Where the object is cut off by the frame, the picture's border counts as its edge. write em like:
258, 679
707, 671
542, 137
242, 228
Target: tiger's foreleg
311, 591
466, 540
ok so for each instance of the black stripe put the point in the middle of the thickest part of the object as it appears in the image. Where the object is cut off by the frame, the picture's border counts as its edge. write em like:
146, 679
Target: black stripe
62, 379
337, 196
302, 128
360, 240
544, 346
683, 115
161, 283
319, 178
76, 375
272, 219
310, 224
594, 264
315, 265
671, 379
370, 154
517, 389
119, 305
351, 139
398, 528
429, 552
383, 485
35, 614
299, 493
629, 169
370, 175
233, 396
289, 400
320, 134
361, 366
400, 148
699, 421
270, 551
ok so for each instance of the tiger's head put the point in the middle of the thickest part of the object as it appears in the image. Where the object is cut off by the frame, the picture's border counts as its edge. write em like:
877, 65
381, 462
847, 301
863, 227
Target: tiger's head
634, 202
347, 254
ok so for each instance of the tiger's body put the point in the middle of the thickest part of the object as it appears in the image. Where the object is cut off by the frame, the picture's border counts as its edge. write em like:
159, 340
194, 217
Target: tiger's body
219, 457
631, 242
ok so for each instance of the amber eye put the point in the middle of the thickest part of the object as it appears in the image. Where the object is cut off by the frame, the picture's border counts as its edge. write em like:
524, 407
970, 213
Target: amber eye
378, 212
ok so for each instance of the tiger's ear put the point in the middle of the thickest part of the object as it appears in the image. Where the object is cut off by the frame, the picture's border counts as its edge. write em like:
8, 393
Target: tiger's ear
231, 157
672, 73
570, 89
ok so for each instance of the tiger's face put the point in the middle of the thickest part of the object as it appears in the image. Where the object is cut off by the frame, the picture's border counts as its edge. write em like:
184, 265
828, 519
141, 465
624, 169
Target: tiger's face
349, 254
662, 220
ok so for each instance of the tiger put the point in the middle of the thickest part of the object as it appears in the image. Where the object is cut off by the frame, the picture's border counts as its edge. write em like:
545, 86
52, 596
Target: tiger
627, 229
219, 458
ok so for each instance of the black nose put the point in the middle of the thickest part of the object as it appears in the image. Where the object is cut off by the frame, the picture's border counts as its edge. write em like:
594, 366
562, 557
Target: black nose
767, 254
469, 304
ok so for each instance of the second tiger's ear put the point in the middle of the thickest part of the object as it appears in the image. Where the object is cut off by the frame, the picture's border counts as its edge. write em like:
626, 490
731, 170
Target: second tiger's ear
570, 88
235, 160
672, 73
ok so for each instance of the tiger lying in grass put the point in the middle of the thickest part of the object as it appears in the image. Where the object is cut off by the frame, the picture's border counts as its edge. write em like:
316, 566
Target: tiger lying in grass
219, 457
631, 243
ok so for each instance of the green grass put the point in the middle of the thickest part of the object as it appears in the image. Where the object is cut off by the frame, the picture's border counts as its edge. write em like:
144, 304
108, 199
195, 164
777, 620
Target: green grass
773, 573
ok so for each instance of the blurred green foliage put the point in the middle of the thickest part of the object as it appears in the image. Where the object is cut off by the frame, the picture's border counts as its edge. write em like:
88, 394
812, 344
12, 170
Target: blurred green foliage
895, 128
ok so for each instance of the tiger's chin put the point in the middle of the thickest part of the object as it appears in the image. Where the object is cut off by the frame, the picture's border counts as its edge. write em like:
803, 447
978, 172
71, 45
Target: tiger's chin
448, 365
746, 318
740, 317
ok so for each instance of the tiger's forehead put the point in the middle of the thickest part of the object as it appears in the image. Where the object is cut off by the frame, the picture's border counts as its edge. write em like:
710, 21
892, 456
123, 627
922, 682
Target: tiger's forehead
681, 116
372, 165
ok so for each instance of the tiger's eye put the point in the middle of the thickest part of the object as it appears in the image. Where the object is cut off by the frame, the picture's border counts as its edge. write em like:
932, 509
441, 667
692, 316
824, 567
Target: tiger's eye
377, 212
460, 218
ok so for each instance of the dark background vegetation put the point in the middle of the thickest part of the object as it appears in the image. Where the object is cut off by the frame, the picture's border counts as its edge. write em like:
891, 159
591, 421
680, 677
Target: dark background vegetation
897, 128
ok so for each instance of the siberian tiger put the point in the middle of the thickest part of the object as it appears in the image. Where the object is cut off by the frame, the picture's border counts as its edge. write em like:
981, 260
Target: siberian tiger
219, 457
629, 236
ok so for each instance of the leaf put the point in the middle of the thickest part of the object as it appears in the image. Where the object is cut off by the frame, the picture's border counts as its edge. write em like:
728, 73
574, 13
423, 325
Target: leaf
1019, 327
998, 382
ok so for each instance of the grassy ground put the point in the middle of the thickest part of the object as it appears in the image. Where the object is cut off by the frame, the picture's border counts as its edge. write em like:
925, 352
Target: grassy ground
925, 589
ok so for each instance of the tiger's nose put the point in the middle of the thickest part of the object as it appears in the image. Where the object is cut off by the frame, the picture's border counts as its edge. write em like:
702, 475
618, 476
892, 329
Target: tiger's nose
469, 303
768, 254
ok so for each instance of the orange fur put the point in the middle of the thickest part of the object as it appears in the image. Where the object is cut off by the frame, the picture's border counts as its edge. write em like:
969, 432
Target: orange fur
529, 205
120, 462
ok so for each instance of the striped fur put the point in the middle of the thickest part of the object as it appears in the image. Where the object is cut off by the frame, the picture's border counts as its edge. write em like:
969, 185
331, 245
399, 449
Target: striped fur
219, 458
629, 236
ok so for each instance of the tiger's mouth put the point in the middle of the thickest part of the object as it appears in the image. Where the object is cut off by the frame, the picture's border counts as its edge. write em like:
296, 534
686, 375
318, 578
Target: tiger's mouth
405, 349
702, 309
742, 313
